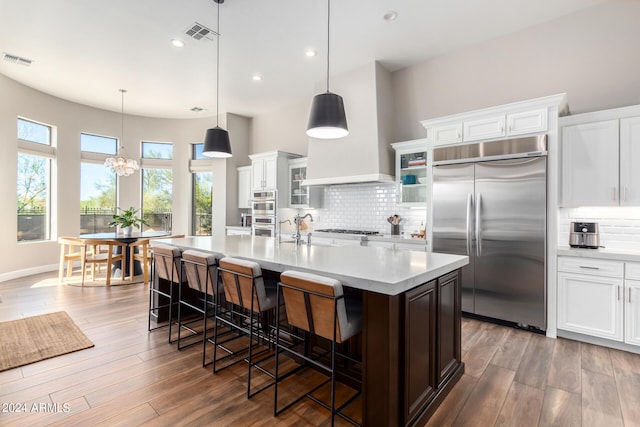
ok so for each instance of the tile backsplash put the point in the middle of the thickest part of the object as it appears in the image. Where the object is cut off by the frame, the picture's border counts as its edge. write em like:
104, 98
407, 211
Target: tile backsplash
619, 226
366, 207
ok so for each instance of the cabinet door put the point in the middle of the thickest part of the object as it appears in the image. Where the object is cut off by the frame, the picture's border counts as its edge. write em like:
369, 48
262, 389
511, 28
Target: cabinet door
420, 355
591, 305
257, 173
491, 127
449, 353
449, 134
527, 122
629, 157
271, 173
244, 187
632, 312
590, 164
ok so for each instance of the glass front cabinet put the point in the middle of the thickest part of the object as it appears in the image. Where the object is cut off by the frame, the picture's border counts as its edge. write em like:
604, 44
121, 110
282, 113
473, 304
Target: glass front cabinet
411, 172
298, 194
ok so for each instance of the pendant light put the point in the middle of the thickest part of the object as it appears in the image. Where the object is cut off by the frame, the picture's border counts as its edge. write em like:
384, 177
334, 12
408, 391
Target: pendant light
120, 164
216, 140
327, 119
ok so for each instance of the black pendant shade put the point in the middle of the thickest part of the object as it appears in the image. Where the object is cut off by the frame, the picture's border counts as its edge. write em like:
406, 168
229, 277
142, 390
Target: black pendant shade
216, 143
327, 119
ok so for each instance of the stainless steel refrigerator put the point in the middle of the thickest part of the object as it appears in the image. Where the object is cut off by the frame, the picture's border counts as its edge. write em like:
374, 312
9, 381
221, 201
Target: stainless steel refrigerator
490, 203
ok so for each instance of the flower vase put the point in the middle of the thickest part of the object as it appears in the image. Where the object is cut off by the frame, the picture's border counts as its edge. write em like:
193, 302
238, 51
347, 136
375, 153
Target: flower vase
126, 231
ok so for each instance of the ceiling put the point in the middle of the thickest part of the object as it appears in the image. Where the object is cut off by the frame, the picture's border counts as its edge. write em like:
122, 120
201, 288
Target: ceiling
85, 51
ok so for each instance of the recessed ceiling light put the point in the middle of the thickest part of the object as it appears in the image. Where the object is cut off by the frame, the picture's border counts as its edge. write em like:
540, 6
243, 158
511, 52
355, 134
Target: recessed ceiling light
177, 43
311, 53
390, 16
257, 77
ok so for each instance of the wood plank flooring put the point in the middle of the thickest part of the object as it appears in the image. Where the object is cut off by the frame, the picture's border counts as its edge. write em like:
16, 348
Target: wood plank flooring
132, 377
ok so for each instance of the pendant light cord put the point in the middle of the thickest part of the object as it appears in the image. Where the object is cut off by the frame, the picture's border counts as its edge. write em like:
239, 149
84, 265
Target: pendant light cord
218, 69
122, 91
328, 41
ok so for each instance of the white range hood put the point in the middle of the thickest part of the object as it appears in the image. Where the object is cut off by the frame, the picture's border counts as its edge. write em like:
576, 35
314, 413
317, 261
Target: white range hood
365, 155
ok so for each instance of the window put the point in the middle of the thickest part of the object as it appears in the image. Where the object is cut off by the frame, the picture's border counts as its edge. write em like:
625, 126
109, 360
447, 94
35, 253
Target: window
196, 152
201, 192
98, 184
157, 194
201, 203
34, 132
98, 144
35, 154
157, 184
157, 150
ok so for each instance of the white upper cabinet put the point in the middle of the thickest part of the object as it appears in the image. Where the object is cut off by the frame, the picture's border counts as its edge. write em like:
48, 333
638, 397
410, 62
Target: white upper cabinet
504, 121
448, 134
270, 171
527, 122
412, 172
487, 128
630, 161
590, 164
244, 187
265, 172
600, 155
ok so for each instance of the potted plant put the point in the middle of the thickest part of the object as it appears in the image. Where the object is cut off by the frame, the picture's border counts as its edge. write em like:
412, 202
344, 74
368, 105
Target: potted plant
127, 220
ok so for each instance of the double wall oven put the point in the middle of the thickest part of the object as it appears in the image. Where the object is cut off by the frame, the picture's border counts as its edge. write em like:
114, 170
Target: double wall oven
264, 209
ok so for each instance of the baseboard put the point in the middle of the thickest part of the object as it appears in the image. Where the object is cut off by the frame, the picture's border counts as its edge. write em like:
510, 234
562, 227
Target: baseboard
28, 272
598, 341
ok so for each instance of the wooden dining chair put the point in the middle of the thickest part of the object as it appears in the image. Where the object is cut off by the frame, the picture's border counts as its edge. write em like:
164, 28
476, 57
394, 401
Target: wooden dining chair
70, 250
140, 251
115, 252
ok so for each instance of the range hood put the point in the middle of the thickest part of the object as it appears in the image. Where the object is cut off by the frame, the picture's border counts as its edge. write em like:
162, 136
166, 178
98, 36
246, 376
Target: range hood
365, 155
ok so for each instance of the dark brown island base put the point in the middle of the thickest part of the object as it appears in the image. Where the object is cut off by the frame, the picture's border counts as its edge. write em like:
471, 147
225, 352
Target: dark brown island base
410, 340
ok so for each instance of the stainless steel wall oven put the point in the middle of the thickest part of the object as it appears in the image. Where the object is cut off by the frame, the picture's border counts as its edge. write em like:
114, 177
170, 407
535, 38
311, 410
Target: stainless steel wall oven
264, 211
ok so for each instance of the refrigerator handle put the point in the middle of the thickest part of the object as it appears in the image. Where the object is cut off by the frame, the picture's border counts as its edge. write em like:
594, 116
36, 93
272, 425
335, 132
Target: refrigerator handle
469, 209
478, 223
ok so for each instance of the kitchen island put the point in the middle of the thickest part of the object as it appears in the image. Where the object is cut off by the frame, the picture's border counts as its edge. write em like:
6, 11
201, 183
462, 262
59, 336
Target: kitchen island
411, 315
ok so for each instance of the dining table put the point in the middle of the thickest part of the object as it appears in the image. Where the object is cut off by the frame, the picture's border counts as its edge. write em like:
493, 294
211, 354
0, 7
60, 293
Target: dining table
117, 269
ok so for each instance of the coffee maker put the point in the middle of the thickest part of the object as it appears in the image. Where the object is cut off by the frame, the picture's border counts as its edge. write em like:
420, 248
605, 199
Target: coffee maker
584, 235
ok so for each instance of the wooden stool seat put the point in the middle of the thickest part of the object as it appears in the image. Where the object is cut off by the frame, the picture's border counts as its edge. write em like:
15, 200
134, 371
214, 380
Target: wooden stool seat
317, 305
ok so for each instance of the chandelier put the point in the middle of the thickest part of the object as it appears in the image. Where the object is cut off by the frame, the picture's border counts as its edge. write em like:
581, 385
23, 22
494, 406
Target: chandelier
120, 164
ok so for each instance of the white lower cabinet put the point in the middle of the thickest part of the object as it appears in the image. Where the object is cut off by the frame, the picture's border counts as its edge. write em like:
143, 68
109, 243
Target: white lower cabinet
590, 305
632, 303
600, 298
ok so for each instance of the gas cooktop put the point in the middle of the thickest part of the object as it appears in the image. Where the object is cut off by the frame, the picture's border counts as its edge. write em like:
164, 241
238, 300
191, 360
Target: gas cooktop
343, 231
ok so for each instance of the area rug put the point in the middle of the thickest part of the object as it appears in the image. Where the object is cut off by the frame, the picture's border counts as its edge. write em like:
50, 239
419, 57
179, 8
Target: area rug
36, 338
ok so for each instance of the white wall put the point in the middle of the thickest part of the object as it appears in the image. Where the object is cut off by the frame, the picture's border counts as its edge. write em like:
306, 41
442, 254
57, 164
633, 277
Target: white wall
591, 55
70, 120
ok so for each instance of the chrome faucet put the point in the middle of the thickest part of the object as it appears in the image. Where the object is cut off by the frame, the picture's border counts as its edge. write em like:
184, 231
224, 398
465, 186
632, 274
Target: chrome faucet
280, 229
296, 220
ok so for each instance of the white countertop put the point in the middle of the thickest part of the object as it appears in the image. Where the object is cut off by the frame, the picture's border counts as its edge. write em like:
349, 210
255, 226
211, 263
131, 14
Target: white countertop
375, 269
603, 253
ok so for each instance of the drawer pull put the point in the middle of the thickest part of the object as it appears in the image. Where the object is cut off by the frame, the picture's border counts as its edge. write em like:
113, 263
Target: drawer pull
588, 267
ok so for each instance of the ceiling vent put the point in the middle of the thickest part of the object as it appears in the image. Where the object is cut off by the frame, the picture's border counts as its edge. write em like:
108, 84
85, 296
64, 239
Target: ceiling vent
16, 59
199, 32
198, 109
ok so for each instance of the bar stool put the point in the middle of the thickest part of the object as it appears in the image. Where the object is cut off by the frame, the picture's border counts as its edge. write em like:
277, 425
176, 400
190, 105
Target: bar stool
200, 269
245, 290
316, 304
166, 265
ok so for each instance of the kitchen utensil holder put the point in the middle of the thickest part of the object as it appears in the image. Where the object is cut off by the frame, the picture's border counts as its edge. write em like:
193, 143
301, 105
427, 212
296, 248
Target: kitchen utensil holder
395, 229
